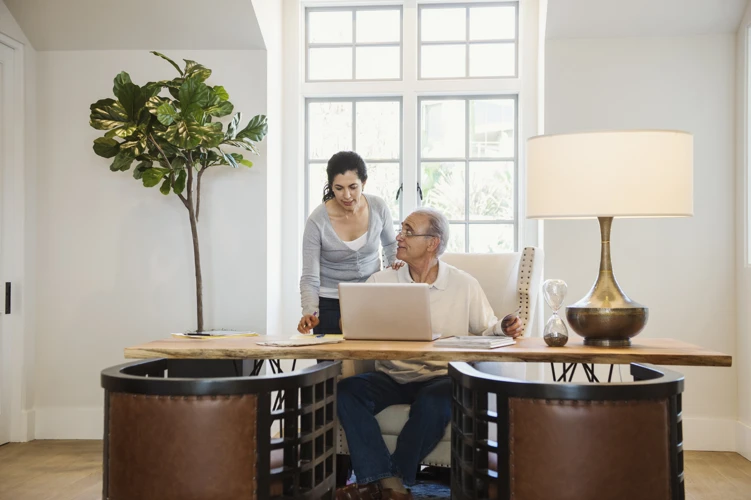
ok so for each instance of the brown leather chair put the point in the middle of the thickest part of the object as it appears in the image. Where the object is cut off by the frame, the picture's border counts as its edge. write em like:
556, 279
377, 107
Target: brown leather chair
564, 441
208, 439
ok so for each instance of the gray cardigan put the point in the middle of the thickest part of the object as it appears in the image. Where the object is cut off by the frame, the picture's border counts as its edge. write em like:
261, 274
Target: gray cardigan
327, 261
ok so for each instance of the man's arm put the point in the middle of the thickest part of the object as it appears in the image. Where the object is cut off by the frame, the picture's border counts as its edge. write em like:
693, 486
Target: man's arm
482, 319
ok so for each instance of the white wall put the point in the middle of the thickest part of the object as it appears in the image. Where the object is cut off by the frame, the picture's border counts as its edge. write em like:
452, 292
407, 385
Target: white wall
114, 260
270, 19
682, 269
22, 345
743, 296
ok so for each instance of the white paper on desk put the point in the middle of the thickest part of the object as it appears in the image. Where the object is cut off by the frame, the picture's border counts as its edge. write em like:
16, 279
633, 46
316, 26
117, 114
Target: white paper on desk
299, 342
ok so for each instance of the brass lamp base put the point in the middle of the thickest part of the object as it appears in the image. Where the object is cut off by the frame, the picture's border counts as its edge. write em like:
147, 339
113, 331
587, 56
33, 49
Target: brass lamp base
606, 317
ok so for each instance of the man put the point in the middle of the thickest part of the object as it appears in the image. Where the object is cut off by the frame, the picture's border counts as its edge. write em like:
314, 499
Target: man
457, 306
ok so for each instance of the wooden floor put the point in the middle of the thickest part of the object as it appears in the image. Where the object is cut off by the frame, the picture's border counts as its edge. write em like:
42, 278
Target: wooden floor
71, 470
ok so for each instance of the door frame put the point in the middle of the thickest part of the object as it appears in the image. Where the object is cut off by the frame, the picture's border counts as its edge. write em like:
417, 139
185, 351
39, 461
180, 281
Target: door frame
13, 263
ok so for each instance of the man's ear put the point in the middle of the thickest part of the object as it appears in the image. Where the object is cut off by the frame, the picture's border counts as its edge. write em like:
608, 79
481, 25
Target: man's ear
433, 245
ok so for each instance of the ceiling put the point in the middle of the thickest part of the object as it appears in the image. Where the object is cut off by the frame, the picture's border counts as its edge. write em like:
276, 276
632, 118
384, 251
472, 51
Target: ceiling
634, 18
138, 24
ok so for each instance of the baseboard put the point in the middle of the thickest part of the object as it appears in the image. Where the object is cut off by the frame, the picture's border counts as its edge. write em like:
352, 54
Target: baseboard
709, 434
743, 439
69, 423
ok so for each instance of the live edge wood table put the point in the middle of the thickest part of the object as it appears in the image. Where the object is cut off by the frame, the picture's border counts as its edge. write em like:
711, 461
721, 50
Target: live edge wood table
643, 350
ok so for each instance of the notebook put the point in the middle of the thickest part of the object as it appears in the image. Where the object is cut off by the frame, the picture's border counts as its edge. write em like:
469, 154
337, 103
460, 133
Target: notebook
475, 342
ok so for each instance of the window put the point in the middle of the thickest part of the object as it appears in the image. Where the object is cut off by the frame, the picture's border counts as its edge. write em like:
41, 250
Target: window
370, 126
468, 168
468, 41
354, 44
429, 96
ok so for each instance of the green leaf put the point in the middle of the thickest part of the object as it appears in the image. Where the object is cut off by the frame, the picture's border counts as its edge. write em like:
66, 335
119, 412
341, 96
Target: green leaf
106, 147
247, 163
179, 186
122, 161
108, 114
165, 187
173, 63
213, 135
152, 89
193, 93
141, 168
152, 176
255, 130
246, 144
196, 70
232, 127
220, 92
222, 109
129, 95
231, 159
166, 114
135, 148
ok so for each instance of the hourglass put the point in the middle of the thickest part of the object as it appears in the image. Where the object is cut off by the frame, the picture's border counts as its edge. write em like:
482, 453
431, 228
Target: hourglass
555, 332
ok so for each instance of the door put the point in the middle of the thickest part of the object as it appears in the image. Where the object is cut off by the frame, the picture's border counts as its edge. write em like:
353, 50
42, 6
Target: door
6, 75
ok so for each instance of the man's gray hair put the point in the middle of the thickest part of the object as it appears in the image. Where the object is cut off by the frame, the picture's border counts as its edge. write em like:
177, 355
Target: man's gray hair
439, 227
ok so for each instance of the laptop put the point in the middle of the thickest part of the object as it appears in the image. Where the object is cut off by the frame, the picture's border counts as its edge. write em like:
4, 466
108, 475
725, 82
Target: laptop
385, 311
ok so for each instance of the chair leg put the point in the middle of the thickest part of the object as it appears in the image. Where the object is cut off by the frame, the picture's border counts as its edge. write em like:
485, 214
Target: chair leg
343, 470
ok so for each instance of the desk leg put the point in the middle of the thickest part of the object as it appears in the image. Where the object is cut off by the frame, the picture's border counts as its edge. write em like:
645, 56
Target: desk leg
570, 368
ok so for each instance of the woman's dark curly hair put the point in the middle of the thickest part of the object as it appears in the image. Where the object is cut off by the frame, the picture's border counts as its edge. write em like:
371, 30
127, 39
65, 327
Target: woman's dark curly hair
340, 163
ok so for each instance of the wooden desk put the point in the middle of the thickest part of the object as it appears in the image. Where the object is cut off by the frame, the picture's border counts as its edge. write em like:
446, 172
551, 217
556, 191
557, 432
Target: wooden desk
643, 350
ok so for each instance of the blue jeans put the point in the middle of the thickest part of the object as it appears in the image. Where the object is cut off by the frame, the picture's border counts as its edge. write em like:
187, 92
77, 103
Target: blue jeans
362, 397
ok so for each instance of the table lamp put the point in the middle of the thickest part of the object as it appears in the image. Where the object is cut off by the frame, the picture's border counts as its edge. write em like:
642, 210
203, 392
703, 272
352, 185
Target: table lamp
631, 173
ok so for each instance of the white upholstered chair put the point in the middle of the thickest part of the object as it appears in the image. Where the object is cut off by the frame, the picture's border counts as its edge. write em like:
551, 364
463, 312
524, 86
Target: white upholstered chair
510, 281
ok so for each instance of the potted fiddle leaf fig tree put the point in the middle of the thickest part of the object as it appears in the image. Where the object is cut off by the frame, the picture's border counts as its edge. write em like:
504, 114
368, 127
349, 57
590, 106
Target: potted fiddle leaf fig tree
169, 129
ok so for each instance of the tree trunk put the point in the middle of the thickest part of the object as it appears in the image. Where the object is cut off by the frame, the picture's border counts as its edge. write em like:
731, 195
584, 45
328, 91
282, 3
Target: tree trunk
197, 261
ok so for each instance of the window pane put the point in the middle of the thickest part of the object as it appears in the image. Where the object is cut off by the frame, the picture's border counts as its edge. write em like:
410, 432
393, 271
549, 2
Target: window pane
378, 128
491, 238
443, 25
330, 64
443, 61
316, 181
378, 63
329, 129
443, 188
457, 239
330, 27
442, 129
383, 181
491, 190
379, 26
492, 23
492, 59
491, 123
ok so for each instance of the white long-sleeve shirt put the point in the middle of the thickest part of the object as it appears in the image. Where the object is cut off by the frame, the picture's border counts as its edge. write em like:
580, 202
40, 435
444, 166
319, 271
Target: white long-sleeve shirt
458, 306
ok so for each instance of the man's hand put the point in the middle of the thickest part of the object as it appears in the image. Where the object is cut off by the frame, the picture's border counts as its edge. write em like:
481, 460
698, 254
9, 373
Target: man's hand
512, 326
307, 323
398, 264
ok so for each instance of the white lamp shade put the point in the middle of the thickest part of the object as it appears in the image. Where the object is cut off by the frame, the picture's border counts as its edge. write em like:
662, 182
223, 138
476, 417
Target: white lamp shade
633, 173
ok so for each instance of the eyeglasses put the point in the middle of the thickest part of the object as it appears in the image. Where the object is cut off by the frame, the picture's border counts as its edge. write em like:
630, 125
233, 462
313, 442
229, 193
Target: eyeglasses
406, 233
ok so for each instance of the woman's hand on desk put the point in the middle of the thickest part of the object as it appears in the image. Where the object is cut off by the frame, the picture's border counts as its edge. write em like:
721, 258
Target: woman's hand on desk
307, 323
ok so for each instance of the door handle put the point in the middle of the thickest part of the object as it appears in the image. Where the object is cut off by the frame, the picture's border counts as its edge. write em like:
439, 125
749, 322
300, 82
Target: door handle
7, 297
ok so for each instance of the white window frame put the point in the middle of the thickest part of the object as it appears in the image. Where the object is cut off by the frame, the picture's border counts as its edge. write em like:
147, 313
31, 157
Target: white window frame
467, 42
354, 100
527, 85
354, 44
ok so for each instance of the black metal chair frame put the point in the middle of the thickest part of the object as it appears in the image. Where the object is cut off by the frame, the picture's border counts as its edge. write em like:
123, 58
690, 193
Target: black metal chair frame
312, 476
470, 476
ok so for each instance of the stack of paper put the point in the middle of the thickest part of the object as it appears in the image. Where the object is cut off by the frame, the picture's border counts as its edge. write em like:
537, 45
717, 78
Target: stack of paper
214, 334
474, 342
300, 342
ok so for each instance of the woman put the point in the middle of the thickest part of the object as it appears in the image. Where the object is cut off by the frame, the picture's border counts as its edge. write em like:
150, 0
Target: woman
341, 242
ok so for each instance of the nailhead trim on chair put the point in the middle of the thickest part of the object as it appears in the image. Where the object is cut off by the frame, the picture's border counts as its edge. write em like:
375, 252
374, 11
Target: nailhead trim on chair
525, 278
